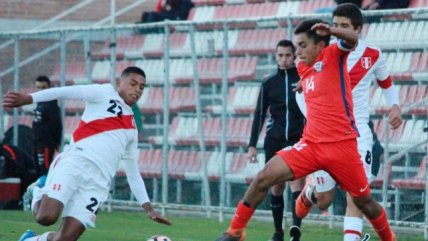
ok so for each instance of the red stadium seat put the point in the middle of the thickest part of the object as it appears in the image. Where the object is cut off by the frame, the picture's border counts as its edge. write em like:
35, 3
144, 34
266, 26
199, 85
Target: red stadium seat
415, 182
378, 181
258, 41
75, 73
74, 106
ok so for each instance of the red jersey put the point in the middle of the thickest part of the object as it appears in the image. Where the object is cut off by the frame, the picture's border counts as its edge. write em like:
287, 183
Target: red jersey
328, 96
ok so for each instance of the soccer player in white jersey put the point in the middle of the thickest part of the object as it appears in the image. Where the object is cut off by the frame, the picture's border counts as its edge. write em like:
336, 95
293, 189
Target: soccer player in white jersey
80, 177
364, 63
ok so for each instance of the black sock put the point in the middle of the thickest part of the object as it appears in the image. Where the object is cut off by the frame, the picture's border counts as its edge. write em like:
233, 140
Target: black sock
277, 206
296, 221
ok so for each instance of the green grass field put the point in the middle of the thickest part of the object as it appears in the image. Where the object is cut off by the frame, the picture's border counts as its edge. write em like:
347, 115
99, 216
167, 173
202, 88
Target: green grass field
135, 226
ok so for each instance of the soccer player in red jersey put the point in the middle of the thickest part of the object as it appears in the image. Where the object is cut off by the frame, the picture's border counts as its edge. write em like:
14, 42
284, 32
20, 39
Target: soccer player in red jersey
329, 139
365, 64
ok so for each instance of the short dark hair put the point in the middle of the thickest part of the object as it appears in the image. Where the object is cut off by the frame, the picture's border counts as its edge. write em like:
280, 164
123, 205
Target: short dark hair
133, 70
43, 78
305, 27
286, 43
351, 11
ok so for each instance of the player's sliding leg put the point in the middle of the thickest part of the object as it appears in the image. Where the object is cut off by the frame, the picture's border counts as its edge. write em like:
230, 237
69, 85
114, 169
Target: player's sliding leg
70, 230
353, 221
275, 171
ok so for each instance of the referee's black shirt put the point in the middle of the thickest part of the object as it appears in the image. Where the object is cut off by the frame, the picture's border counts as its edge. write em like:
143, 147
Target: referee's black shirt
286, 122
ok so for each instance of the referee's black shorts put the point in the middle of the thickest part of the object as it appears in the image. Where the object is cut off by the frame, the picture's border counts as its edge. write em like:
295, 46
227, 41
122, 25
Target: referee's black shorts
272, 145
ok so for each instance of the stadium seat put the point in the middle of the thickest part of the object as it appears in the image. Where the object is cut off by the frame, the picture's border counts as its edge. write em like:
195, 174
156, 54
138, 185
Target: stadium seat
74, 106
196, 172
422, 93
184, 131
258, 41
416, 182
210, 70
70, 124
242, 99
126, 46
75, 73
101, 71
180, 99
378, 180
23, 120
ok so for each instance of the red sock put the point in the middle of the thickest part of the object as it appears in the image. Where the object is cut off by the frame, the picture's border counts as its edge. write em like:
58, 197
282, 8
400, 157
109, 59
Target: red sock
381, 226
243, 214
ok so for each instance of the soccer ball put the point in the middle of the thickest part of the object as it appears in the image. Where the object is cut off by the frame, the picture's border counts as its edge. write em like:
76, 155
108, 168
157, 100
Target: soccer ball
159, 238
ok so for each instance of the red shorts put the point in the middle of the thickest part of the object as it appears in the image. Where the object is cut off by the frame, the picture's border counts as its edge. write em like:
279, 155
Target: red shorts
340, 159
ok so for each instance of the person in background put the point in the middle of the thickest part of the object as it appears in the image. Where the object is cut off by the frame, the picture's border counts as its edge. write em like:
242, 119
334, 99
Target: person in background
386, 4
285, 128
47, 129
168, 9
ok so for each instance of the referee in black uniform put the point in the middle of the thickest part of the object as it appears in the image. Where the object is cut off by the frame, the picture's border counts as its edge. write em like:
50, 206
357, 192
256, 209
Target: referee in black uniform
284, 128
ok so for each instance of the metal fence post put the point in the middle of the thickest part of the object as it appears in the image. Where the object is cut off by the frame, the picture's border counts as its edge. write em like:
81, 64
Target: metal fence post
16, 89
196, 86
165, 147
223, 143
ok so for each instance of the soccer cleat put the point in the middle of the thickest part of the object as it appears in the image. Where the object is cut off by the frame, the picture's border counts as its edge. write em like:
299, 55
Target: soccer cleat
28, 195
230, 235
27, 234
295, 233
277, 237
303, 204
41, 181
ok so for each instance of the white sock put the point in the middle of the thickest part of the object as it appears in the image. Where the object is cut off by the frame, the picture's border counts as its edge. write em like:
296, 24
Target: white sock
37, 196
43, 237
352, 228
308, 192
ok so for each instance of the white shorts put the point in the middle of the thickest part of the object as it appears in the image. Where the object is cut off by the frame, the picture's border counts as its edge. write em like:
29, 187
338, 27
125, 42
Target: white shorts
324, 182
79, 185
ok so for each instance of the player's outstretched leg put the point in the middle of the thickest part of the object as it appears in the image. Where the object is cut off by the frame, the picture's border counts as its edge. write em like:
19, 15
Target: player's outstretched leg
296, 187
276, 171
304, 202
377, 217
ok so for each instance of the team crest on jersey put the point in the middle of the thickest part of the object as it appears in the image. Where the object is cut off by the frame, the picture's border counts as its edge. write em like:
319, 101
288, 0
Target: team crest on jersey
366, 62
318, 66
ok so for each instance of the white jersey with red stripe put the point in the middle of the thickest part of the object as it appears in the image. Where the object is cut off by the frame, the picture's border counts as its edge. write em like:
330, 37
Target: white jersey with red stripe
366, 64
106, 134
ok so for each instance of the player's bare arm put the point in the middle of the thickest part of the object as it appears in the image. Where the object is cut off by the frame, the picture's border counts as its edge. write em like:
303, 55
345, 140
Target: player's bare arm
153, 215
14, 99
395, 119
349, 37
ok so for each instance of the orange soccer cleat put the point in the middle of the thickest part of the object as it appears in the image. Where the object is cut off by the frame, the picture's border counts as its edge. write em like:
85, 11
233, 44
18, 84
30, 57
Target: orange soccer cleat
303, 204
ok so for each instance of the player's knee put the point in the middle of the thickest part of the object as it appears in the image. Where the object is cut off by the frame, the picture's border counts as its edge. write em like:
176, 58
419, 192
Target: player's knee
324, 200
262, 179
365, 204
46, 219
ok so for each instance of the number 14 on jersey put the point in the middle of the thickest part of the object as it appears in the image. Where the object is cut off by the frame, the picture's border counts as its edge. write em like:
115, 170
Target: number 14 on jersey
310, 85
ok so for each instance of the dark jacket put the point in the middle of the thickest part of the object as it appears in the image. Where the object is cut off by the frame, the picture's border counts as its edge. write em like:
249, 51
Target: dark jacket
286, 122
47, 125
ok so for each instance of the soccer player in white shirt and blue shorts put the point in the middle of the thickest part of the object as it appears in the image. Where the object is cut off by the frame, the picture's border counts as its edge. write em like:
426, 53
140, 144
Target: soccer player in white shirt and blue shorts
365, 63
80, 177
